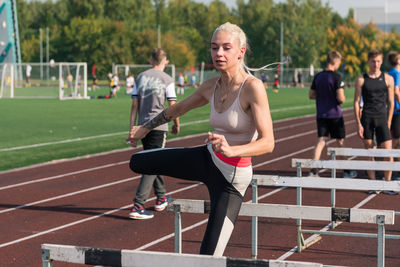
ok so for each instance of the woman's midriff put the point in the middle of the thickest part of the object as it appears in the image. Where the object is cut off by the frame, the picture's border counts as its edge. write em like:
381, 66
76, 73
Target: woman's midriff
234, 161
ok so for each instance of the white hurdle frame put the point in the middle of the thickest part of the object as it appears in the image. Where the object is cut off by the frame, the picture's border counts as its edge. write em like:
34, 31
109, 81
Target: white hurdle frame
362, 152
379, 217
126, 258
341, 164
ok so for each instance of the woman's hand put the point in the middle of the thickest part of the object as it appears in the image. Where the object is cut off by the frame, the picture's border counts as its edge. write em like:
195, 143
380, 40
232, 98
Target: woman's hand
135, 134
220, 144
360, 131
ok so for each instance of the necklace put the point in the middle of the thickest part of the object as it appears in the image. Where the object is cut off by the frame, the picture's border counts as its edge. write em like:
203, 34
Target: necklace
225, 91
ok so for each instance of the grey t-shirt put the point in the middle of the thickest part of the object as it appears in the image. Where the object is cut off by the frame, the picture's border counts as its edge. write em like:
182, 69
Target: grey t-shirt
153, 87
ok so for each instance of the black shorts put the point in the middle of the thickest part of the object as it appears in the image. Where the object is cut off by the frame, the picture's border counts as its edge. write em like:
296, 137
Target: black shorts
395, 127
331, 127
377, 126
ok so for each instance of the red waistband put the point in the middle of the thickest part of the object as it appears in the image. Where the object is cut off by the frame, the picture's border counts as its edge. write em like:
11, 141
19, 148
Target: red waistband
235, 161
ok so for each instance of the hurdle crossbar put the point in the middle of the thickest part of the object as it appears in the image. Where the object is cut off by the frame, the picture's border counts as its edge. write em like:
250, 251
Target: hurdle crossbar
379, 217
130, 258
346, 164
360, 152
282, 211
327, 183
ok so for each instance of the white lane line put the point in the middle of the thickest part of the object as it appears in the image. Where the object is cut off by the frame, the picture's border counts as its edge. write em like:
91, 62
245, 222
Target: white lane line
125, 132
71, 194
91, 218
59, 161
63, 175
119, 163
292, 108
169, 141
86, 219
84, 138
60, 142
301, 123
324, 229
293, 125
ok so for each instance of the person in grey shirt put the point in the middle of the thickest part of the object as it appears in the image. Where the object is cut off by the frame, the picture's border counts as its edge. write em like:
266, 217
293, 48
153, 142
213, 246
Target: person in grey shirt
153, 87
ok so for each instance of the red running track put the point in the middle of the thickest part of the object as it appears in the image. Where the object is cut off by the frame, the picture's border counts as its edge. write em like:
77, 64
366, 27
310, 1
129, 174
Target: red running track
85, 202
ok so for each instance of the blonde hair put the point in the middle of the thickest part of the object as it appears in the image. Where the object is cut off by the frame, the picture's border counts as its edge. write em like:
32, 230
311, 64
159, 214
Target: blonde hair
239, 34
332, 55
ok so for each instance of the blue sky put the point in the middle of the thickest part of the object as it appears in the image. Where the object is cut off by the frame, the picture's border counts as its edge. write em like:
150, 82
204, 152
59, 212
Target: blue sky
340, 6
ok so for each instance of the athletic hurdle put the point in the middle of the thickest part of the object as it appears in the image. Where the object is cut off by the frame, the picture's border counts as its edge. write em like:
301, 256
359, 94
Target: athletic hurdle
342, 164
380, 217
362, 152
132, 258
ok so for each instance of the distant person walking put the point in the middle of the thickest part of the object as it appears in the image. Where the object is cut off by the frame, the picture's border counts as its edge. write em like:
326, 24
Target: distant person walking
28, 75
181, 84
377, 91
327, 89
153, 87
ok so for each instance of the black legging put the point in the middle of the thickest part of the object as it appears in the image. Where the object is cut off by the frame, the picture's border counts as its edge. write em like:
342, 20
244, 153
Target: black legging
196, 164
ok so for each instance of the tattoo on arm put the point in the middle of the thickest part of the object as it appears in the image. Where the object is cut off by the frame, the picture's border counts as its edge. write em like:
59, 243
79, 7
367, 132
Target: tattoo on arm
157, 121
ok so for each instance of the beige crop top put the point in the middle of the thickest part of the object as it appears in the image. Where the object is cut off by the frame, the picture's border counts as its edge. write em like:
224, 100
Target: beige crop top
234, 123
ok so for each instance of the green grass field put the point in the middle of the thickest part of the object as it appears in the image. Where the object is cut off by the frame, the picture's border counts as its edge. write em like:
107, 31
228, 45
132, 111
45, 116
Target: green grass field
25, 123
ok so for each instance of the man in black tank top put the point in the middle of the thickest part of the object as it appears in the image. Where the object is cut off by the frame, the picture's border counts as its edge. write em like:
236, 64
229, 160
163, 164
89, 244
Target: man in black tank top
377, 91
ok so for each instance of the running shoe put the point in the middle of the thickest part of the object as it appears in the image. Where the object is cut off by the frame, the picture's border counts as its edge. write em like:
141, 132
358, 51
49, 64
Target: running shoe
395, 178
390, 192
161, 203
349, 174
374, 192
140, 213
313, 173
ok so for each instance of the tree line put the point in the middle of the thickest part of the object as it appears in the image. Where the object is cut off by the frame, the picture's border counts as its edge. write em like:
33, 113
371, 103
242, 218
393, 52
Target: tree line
104, 32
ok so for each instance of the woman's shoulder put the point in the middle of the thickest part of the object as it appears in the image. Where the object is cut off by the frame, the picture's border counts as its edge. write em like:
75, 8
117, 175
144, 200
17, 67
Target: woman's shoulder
207, 87
211, 82
253, 84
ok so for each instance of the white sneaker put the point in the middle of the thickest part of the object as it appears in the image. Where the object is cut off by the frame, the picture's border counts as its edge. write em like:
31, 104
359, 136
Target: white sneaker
161, 203
349, 174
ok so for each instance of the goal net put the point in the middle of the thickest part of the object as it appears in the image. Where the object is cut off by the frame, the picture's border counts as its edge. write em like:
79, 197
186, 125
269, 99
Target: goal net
123, 70
63, 80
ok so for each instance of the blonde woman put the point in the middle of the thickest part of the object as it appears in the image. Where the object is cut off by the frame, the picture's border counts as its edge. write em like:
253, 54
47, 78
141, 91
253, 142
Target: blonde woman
242, 125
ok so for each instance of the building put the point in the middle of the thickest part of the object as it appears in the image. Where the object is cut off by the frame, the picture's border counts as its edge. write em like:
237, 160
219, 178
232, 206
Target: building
386, 18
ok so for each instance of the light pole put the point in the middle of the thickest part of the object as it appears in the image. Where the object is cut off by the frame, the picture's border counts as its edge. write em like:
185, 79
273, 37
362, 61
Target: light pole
47, 54
41, 54
281, 56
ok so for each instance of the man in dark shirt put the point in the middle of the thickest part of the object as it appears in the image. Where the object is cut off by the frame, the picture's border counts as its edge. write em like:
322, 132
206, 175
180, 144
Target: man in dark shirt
377, 91
328, 90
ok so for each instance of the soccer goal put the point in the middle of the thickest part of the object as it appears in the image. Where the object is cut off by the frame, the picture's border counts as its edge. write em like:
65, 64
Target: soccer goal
123, 70
63, 80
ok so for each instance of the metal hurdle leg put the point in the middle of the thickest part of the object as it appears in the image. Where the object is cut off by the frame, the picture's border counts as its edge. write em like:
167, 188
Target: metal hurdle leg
178, 229
46, 261
333, 191
300, 238
381, 240
254, 221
